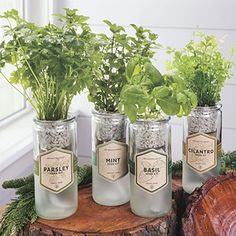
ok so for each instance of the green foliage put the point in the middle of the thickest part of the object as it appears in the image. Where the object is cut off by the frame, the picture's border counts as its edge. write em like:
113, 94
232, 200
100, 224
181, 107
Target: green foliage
148, 94
18, 183
177, 169
115, 52
203, 68
84, 175
228, 162
21, 211
54, 62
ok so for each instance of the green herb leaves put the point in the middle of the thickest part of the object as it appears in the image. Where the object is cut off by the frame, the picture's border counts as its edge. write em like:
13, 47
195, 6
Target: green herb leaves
153, 74
203, 68
115, 52
148, 94
55, 62
134, 100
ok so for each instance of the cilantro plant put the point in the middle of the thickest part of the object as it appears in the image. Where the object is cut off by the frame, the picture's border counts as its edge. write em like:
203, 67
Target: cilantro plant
151, 95
203, 68
55, 63
116, 50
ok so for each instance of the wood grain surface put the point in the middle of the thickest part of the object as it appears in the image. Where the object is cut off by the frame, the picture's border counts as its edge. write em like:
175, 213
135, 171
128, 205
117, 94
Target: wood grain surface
212, 208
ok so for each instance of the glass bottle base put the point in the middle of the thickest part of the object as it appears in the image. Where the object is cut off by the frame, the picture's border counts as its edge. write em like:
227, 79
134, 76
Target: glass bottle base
56, 215
110, 194
53, 206
150, 214
107, 202
193, 179
150, 205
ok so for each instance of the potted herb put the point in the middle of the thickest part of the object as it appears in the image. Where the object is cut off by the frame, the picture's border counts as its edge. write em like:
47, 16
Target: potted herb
54, 63
110, 164
148, 100
204, 70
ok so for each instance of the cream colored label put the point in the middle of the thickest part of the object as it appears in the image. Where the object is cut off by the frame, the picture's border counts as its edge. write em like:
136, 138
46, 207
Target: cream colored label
151, 170
201, 152
56, 170
112, 160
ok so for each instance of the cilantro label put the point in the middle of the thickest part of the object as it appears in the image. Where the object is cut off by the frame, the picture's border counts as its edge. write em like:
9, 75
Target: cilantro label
201, 152
151, 170
56, 170
112, 160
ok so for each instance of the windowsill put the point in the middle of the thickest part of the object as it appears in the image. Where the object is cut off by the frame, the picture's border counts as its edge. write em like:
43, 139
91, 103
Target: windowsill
15, 139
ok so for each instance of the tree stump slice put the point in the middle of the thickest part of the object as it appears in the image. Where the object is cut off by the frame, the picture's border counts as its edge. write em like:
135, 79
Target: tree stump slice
92, 219
211, 209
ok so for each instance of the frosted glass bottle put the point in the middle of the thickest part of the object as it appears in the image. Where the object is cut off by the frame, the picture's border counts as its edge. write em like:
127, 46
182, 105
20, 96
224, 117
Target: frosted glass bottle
150, 163
110, 184
55, 168
201, 146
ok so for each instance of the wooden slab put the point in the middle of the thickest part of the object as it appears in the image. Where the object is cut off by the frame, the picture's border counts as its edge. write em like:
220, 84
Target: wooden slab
212, 208
2, 210
93, 219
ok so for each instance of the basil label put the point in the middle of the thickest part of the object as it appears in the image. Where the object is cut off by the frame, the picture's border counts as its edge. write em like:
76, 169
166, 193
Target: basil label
151, 170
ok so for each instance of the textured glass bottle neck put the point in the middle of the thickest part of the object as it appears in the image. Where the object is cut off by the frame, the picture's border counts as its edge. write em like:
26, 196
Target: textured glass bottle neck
204, 119
109, 126
54, 123
55, 134
152, 123
148, 134
206, 110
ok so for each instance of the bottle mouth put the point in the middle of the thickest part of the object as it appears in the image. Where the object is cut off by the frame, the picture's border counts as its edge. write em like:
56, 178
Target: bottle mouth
102, 113
70, 119
153, 121
208, 108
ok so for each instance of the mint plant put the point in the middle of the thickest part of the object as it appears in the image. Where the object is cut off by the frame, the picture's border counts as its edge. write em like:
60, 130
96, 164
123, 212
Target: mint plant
54, 62
116, 50
150, 95
203, 68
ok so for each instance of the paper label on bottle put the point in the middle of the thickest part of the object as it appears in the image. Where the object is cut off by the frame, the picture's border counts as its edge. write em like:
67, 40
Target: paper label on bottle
112, 160
56, 170
201, 152
151, 170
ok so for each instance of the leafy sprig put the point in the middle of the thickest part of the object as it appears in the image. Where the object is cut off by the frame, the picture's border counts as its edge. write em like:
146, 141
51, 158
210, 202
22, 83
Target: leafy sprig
116, 50
149, 94
54, 62
203, 68
228, 162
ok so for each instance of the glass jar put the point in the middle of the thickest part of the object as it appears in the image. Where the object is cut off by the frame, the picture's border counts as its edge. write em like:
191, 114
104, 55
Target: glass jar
201, 146
150, 167
55, 168
109, 159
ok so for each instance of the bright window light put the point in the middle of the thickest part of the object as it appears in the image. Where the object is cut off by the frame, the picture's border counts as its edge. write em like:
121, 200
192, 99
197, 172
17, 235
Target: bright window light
11, 101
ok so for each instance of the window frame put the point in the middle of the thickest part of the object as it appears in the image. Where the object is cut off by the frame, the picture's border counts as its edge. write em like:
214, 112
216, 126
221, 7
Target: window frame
15, 115
16, 130
26, 107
